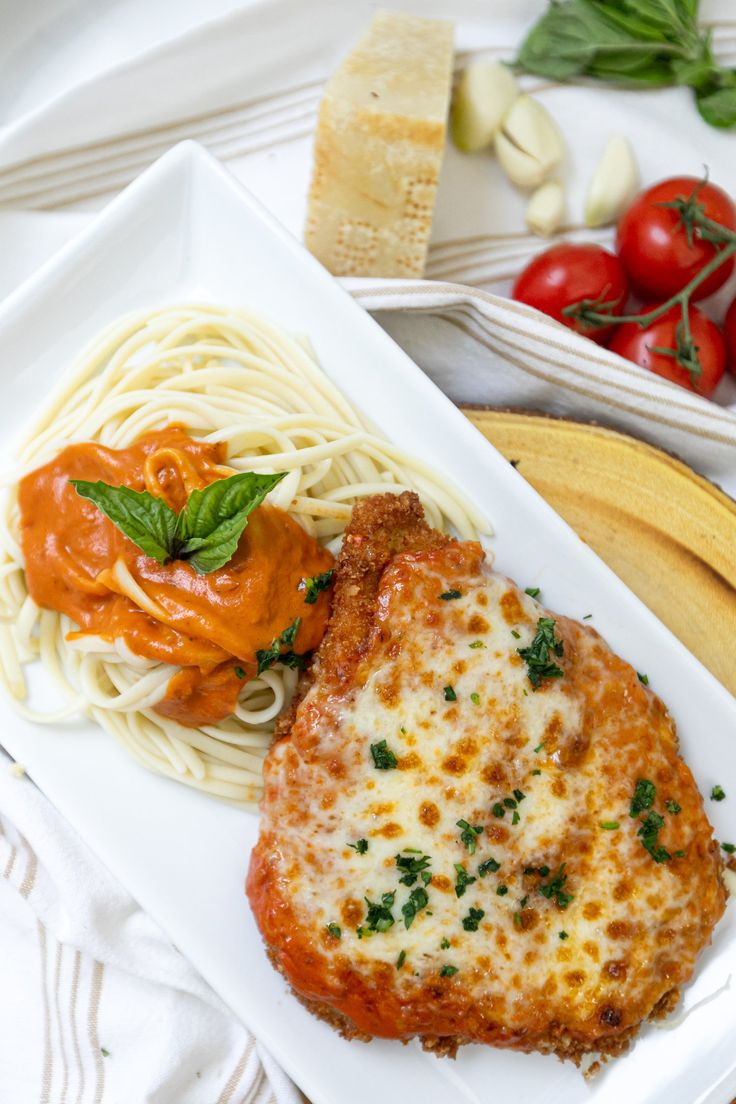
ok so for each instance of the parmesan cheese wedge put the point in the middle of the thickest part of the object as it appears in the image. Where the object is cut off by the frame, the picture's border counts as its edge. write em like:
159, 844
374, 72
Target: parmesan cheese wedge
378, 149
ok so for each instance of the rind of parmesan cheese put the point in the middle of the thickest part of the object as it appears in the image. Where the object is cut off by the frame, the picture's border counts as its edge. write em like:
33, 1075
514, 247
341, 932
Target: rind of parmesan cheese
378, 149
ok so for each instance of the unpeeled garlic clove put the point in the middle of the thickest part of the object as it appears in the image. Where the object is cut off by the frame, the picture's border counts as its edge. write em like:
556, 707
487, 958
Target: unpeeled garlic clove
615, 183
484, 94
529, 145
546, 209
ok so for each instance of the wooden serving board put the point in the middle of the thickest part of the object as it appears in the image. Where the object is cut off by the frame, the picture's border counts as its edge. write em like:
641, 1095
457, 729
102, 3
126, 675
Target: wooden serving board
667, 532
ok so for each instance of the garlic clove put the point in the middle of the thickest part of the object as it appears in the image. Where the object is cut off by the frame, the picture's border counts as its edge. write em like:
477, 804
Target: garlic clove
546, 209
529, 145
484, 94
615, 183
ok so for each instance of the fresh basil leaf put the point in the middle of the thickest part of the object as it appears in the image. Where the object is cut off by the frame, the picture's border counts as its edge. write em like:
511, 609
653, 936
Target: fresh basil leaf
143, 518
718, 108
211, 523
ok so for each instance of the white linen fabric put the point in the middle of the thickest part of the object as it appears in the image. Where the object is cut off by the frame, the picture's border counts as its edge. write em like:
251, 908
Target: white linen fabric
99, 1006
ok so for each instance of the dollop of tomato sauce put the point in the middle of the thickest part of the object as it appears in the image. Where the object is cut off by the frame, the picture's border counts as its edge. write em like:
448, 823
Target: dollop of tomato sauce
78, 562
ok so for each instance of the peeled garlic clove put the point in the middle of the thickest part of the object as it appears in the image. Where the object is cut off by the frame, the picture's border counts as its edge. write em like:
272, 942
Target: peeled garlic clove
615, 183
546, 209
484, 94
529, 145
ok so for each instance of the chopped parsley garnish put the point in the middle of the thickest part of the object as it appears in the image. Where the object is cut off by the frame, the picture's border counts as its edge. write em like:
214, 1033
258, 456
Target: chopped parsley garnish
587, 616
475, 698
717, 793
538, 748
563, 935
644, 795
524, 901
673, 807
533, 592
648, 832
498, 810
239, 672
469, 835
515, 818
519, 795
448, 595
383, 757
360, 846
335, 930
643, 679
490, 866
400, 960
729, 848
444, 945
273, 654
502, 890
610, 825
418, 899
315, 585
518, 922
414, 868
462, 879
477, 644
448, 971
536, 771
450, 694
553, 890
538, 655
104, 1052
516, 635
509, 803
379, 917
473, 919
679, 854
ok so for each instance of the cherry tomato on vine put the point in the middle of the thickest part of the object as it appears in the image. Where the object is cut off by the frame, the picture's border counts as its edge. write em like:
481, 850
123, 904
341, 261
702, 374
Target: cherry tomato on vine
567, 273
637, 344
653, 245
729, 332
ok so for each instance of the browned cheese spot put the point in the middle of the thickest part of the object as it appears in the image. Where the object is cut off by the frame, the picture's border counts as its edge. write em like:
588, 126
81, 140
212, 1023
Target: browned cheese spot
429, 814
454, 764
389, 831
441, 882
351, 912
512, 609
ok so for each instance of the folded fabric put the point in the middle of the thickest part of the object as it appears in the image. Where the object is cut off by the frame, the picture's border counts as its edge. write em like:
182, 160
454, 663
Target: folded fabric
98, 1005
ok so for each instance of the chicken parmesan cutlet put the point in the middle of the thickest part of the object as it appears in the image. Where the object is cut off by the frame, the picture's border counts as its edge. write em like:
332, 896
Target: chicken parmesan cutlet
476, 826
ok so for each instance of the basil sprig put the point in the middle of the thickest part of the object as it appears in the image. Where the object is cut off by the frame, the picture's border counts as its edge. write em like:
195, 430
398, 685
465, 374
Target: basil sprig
644, 43
205, 533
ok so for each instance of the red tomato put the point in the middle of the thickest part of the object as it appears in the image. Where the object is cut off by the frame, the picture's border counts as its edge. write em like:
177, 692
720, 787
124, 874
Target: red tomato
567, 273
636, 344
729, 331
653, 245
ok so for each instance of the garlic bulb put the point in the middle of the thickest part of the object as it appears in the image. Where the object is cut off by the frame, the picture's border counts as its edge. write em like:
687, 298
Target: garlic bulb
529, 145
615, 183
546, 209
484, 94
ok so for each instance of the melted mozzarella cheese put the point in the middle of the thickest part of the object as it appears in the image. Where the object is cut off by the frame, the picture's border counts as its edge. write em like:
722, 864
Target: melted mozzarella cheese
538, 772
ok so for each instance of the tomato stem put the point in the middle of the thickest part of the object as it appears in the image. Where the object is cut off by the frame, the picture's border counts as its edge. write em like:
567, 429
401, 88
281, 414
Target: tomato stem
592, 312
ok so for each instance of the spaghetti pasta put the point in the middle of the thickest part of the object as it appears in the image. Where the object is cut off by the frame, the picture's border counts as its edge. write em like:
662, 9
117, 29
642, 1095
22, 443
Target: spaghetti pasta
228, 376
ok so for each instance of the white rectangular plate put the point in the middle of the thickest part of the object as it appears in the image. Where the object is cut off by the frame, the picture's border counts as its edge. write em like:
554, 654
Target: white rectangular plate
186, 230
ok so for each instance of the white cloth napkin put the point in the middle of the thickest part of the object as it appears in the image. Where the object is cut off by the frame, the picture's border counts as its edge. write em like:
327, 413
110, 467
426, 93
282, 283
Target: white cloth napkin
98, 1006
97, 1003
